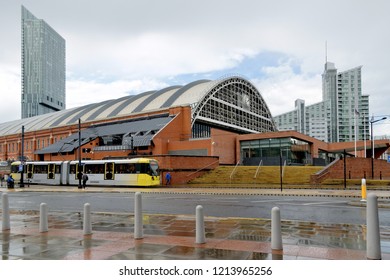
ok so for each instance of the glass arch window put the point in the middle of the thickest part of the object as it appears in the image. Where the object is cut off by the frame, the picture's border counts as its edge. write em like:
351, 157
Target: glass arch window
236, 104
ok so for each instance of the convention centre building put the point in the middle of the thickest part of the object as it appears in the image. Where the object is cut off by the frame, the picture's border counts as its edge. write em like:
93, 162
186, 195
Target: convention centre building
188, 128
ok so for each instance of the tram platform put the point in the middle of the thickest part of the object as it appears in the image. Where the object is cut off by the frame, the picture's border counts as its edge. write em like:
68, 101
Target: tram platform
172, 237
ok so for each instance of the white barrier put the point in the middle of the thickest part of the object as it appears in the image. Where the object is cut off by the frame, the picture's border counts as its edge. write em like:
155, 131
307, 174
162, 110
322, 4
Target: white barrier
138, 219
373, 234
276, 230
43, 221
87, 221
200, 231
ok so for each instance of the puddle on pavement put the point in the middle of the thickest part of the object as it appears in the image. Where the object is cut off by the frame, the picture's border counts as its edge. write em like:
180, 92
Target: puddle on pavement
206, 253
262, 236
294, 232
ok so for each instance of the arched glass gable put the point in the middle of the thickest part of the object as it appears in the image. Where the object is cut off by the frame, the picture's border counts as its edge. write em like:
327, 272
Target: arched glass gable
235, 103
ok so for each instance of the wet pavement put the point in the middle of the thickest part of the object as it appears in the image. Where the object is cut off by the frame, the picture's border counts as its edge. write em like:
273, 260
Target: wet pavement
171, 237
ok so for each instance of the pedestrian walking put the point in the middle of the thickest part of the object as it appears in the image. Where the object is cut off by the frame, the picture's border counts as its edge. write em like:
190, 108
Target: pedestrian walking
85, 179
10, 182
168, 178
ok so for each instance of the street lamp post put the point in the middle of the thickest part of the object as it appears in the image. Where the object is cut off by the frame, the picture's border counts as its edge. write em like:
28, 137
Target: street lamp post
372, 144
281, 170
79, 173
364, 137
21, 184
345, 168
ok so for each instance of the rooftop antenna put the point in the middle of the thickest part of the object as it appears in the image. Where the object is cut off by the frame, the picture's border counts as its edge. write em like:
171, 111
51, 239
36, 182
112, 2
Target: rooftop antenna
326, 51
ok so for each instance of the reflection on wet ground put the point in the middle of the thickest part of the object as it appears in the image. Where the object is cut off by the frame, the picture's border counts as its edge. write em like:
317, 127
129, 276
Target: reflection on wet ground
172, 237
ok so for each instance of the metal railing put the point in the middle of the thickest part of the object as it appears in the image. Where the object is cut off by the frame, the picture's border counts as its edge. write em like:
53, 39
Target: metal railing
202, 168
234, 170
258, 169
284, 167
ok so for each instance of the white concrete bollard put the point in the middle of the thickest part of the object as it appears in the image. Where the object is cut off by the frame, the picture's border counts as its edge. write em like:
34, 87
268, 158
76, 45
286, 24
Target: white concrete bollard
276, 230
87, 221
138, 219
200, 230
373, 233
5, 212
43, 221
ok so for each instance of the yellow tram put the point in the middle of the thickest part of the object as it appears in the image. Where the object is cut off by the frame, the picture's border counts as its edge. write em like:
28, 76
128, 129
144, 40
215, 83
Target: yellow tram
142, 172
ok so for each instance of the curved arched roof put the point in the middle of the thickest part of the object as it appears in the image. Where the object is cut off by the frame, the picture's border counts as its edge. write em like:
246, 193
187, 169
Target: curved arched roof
197, 94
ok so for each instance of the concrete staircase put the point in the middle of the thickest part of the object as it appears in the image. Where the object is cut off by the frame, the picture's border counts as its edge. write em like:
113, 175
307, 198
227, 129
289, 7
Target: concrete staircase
293, 175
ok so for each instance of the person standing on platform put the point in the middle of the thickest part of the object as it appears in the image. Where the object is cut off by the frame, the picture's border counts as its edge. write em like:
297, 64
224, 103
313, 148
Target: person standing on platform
85, 179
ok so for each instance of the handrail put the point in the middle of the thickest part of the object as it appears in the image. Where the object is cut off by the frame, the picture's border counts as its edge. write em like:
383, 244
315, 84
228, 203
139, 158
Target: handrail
258, 168
325, 169
284, 166
203, 168
234, 169
324, 172
322, 175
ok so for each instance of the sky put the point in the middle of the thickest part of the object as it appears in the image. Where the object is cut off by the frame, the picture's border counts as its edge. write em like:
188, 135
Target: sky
121, 47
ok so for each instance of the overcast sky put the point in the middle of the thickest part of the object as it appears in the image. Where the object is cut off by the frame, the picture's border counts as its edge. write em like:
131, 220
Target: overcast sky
120, 47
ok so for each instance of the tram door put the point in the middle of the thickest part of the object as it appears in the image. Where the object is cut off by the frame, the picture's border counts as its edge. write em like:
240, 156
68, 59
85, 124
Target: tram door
79, 171
30, 170
50, 171
109, 171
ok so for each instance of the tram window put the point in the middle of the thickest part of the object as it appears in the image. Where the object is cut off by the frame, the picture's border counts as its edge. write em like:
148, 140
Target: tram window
142, 168
124, 168
14, 168
72, 169
154, 168
94, 168
88, 168
58, 169
148, 170
40, 169
120, 168
137, 168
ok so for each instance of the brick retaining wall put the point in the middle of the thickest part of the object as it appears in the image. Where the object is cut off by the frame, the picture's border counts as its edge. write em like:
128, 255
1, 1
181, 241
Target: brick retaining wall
356, 168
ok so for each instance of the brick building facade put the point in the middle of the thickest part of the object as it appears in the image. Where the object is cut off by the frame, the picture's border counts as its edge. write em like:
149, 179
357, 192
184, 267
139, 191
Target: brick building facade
190, 129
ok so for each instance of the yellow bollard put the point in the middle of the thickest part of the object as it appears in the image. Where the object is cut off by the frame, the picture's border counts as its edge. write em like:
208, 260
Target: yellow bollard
364, 190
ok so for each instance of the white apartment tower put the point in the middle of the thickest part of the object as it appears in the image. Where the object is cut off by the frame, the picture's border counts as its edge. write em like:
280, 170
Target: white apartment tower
329, 94
352, 107
341, 116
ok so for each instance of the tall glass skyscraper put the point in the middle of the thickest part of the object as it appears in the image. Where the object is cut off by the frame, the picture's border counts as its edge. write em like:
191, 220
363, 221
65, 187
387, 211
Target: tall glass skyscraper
43, 67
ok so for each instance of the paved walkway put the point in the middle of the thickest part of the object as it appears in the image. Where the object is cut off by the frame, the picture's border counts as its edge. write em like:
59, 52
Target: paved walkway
173, 236
339, 191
